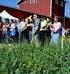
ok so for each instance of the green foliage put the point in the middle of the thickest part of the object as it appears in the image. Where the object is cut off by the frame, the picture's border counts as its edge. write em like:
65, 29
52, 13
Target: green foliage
28, 59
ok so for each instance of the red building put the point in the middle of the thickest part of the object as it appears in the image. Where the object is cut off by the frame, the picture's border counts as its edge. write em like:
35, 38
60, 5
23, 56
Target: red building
47, 8
43, 7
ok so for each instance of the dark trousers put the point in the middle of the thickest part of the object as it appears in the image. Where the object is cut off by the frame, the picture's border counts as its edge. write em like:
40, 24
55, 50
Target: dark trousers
42, 35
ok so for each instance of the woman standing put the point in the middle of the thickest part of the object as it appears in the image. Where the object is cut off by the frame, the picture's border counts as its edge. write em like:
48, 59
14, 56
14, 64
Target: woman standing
13, 30
6, 31
56, 29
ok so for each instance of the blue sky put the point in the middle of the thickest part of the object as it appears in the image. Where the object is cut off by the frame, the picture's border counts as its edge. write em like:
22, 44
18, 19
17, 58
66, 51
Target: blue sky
12, 3
67, 8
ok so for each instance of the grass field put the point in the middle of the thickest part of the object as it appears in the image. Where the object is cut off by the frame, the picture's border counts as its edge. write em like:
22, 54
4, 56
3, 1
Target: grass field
28, 59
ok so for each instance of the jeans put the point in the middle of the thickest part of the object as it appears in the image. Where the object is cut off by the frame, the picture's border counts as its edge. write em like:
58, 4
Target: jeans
30, 36
54, 37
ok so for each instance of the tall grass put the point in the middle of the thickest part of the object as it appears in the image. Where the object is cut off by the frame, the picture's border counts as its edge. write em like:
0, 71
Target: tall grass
26, 58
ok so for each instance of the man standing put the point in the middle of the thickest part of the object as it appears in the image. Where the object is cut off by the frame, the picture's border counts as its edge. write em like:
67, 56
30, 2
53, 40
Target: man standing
56, 29
36, 26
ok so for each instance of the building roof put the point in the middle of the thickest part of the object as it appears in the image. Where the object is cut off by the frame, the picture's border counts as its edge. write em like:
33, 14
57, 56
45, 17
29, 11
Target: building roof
20, 1
14, 11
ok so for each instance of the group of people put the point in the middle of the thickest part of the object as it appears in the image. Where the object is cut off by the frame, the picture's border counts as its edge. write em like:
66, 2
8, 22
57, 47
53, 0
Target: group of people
31, 28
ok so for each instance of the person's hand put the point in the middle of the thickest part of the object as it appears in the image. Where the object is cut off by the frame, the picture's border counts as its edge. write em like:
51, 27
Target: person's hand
52, 29
41, 29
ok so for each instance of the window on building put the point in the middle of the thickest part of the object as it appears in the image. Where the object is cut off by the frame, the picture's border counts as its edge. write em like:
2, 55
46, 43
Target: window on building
56, 1
61, 3
33, 1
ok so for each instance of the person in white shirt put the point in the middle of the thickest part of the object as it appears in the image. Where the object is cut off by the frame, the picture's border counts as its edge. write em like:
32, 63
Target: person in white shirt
56, 29
21, 27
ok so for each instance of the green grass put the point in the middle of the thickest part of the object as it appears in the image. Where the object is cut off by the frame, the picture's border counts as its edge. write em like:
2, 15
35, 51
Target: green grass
28, 59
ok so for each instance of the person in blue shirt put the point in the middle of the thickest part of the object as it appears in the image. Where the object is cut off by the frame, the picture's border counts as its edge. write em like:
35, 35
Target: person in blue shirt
36, 26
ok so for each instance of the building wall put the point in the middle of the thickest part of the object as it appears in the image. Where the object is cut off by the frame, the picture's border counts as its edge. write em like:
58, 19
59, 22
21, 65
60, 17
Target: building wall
67, 23
42, 7
57, 9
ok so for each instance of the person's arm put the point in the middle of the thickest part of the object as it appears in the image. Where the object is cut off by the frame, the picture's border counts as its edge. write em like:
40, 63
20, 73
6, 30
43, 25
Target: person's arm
30, 25
52, 28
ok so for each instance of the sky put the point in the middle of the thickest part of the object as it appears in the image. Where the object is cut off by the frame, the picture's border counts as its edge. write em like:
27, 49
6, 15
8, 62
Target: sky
67, 8
12, 3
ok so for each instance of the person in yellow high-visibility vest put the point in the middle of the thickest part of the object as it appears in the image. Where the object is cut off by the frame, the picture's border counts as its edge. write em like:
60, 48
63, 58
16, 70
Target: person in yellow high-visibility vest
43, 29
